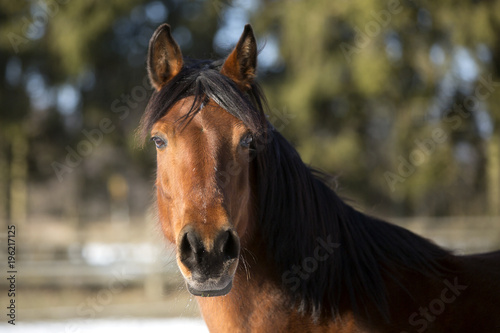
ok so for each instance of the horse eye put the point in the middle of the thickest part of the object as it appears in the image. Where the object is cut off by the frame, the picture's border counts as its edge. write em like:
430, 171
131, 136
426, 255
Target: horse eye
246, 140
159, 142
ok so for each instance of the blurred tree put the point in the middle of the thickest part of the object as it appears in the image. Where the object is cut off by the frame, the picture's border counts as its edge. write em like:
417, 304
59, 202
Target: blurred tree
73, 89
402, 98
399, 97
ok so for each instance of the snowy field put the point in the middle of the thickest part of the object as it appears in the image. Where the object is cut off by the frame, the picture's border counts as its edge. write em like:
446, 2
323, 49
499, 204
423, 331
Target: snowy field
108, 325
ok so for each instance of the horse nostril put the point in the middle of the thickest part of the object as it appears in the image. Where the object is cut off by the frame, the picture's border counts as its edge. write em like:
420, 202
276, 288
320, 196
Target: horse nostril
229, 245
190, 248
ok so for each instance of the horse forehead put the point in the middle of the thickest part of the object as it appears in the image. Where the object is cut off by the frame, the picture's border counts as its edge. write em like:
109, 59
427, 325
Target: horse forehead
209, 117
215, 126
213, 117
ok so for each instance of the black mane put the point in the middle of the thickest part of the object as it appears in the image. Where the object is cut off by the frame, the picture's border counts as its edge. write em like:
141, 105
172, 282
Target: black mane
297, 207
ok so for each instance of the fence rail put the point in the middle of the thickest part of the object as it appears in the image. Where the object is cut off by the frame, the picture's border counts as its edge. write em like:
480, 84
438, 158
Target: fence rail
90, 256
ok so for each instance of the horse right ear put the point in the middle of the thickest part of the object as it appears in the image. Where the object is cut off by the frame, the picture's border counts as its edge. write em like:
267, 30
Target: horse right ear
164, 57
241, 64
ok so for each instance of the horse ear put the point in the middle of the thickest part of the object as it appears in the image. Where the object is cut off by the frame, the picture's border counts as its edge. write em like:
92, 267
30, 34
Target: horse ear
240, 65
164, 57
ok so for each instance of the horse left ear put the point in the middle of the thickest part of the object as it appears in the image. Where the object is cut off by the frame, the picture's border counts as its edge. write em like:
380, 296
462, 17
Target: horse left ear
164, 57
241, 64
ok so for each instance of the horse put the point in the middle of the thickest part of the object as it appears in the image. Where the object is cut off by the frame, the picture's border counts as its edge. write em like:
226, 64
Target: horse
262, 240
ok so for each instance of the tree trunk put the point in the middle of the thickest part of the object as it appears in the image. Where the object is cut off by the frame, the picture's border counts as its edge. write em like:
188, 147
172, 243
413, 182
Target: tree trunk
19, 177
493, 175
4, 182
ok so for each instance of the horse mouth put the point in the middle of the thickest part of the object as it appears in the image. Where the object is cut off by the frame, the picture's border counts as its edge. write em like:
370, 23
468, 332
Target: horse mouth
209, 291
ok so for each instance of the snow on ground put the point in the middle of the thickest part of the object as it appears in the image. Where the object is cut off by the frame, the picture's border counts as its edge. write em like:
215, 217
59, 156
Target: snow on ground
183, 325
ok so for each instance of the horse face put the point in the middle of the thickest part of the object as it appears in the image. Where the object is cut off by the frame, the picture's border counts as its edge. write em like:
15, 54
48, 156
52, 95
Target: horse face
203, 193
203, 172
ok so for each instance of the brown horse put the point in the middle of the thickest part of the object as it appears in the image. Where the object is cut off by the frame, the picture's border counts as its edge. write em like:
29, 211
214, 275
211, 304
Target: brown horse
263, 242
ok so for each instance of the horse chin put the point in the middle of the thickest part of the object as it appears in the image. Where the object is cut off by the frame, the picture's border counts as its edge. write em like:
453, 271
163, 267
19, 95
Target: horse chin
210, 292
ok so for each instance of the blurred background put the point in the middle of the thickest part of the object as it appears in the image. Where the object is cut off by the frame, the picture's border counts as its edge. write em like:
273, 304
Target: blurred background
398, 98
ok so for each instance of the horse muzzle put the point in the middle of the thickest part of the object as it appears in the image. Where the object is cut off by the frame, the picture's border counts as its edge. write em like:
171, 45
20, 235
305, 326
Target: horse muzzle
208, 265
